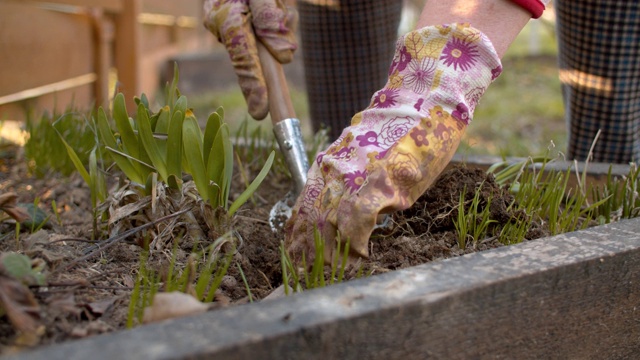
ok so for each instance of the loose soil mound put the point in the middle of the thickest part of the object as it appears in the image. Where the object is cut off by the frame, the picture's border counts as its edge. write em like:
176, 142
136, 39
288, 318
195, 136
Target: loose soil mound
92, 297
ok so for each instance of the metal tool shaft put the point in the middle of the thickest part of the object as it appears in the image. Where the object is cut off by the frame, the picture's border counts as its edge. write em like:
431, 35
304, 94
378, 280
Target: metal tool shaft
289, 137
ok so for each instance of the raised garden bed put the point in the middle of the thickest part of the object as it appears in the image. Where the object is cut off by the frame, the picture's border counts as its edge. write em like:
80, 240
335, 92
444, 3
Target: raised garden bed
569, 296
573, 295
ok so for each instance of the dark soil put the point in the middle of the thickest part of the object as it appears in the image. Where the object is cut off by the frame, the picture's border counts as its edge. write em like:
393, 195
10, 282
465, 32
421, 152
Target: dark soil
92, 297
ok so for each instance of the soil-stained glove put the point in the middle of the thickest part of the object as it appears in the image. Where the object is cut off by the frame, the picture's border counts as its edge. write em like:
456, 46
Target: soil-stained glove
236, 23
395, 148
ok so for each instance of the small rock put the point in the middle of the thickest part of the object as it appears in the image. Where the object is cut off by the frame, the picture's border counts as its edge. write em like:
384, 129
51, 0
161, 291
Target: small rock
279, 292
172, 305
229, 282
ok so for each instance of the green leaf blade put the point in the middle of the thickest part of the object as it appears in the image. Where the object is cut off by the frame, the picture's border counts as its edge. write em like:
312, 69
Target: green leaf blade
121, 117
180, 105
97, 184
192, 144
228, 165
213, 125
253, 186
162, 125
174, 148
106, 134
215, 167
75, 160
150, 144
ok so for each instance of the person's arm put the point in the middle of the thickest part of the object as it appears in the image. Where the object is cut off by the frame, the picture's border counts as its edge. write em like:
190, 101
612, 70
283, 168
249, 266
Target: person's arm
396, 148
500, 20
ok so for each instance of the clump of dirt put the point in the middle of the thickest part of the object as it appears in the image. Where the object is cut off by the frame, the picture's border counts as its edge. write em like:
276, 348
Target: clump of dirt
92, 297
426, 231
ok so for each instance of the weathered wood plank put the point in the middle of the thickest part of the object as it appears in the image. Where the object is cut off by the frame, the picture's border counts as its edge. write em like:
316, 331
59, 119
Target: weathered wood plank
571, 296
128, 51
104, 35
54, 103
177, 8
49, 47
108, 5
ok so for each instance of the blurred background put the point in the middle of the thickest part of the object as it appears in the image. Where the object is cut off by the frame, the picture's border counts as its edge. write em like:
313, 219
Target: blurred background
63, 55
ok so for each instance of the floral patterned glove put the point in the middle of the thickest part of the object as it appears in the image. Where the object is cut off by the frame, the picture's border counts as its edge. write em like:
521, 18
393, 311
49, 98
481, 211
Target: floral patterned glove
395, 148
233, 22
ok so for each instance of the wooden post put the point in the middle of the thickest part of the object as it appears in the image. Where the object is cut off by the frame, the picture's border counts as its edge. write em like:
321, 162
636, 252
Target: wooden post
103, 30
128, 51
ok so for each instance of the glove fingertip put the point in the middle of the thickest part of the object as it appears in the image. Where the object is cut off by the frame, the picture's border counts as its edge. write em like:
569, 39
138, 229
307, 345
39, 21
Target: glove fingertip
259, 111
284, 56
257, 101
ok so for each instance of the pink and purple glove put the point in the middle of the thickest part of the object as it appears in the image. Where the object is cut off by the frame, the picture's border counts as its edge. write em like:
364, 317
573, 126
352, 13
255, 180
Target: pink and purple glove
236, 24
397, 147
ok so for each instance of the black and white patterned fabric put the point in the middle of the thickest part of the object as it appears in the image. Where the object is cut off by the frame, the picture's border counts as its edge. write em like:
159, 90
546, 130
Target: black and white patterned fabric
599, 43
347, 47
348, 44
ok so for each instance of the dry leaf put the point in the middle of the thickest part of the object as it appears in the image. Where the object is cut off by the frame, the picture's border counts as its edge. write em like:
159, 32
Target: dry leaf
39, 238
128, 281
28, 339
35, 246
172, 305
20, 306
17, 301
64, 304
220, 300
93, 328
51, 257
128, 209
100, 307
9, 204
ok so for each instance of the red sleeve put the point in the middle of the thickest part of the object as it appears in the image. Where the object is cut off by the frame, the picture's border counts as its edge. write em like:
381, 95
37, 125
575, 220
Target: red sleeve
535, 7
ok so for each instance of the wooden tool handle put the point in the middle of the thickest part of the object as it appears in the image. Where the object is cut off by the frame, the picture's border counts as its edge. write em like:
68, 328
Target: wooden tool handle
280, 105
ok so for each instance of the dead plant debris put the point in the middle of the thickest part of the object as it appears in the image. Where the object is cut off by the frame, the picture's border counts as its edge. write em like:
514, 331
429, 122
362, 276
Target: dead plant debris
87, 292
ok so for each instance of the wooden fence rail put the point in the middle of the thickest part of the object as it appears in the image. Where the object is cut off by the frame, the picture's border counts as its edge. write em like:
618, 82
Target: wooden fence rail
57, 53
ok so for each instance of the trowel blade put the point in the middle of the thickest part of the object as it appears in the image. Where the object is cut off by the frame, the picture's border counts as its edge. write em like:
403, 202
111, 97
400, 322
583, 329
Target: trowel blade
281, 212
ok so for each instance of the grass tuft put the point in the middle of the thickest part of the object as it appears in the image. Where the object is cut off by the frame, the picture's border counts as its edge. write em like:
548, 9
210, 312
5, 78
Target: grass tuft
317, 275
200, 277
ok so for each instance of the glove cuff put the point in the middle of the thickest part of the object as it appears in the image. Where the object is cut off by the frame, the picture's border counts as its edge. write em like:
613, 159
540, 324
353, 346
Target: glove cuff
450, 66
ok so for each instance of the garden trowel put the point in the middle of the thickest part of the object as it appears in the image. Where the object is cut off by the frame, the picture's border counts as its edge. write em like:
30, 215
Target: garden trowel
286, 128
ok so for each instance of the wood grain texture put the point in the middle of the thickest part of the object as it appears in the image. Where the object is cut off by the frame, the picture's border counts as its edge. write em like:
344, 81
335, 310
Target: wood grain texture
280, 106
109, 5
128, 39
571, 296
48, 48
48, 41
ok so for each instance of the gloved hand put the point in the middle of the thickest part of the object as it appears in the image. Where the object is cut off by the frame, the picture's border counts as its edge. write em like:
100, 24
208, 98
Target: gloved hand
395, 148
236, 23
